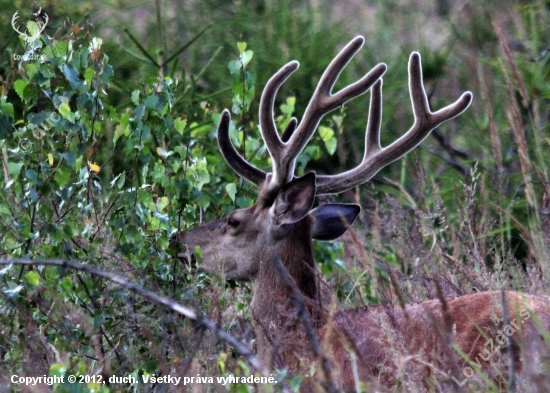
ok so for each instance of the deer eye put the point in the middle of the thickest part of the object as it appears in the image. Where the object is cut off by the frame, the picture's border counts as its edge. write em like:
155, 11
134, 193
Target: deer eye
232, 223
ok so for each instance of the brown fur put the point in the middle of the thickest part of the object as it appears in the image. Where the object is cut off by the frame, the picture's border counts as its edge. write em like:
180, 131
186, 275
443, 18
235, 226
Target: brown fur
391, 345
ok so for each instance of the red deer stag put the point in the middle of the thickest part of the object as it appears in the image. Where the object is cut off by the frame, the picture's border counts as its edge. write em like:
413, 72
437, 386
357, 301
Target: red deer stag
270, 244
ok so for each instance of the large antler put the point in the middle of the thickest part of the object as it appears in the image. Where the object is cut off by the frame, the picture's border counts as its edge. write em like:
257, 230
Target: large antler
376, 157
295, 137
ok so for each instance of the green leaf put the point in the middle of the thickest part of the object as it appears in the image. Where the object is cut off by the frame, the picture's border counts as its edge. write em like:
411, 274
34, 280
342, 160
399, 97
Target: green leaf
203, 201
89, 75
135, 97
8, 107
70, 230
31, 69
241, 46
70, 156
14, 168
62, 175
150, 102
19, 86
60, 48
107, 73
325, 133
66, 284
242, 388
65, 111
32, 175
244, 202
203, 177
119, 180
33, 278
338, 120
162, 105
124, 119
198, 251
72, 76
231, 189
235, 66
57, 370
139, 112
163, 242
33, 27
180, 125
331, 146
163, 218
288, 108
162, 203
6, 123
47, 71
247, 56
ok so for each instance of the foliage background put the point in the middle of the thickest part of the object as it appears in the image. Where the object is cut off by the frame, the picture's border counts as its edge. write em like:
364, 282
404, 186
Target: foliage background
133, 159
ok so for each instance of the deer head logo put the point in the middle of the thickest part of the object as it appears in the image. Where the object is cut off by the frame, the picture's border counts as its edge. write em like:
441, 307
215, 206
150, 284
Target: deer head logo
34, 31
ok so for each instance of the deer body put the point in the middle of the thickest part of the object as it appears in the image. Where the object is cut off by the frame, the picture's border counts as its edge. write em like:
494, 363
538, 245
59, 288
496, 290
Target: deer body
389, 343
411, 344
270, 244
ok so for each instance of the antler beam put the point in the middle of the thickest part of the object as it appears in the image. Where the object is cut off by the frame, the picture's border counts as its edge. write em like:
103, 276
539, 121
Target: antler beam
376, 157
284, 154
285, 150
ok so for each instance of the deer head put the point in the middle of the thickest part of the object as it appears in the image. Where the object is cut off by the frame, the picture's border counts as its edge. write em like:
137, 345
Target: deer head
281, 221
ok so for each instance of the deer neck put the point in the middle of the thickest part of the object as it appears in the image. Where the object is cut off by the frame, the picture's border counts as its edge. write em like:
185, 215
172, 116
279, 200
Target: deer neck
295, 254
273, 307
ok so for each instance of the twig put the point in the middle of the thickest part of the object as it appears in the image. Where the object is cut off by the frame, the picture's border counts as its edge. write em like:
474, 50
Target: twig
509, 346
208, 62
141, 48
187, 44
448, 323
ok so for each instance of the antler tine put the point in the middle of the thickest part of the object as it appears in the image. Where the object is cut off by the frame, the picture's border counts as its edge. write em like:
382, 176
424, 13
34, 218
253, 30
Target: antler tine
267, 102
242, 167
275, 146
284, 153
289, 129
375, 157
372, 136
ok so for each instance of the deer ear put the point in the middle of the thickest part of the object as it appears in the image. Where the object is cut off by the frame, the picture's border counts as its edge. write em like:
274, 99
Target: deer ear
294, 201
332, 220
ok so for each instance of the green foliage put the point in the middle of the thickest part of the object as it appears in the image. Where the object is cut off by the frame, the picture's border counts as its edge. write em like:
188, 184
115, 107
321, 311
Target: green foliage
104, 184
